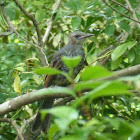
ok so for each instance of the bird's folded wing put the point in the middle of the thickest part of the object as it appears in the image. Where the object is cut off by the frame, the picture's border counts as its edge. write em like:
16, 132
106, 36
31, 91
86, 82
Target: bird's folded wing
55, 64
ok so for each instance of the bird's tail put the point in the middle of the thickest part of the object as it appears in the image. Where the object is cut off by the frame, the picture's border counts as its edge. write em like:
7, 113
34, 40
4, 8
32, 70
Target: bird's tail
43, 124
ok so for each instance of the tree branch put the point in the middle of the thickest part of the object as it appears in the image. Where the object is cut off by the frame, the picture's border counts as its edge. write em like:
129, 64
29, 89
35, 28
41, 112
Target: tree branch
25, 122
45, 38
42, 55
122, 5
14, 125
134, 15
120, 12
33, 20
28, 98
11, 28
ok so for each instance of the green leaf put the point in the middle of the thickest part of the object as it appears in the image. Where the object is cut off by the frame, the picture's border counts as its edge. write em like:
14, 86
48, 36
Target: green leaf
73, 5
87, 85
119, 51
71, 62
75, 22
73, 137
47, 71
93, 72
17, 85
125, 129
109, 30
40, 15
52, 131
131, 56
63, 114
10, 11
38, 3
125, 26
109, 88
131, 44
115, 64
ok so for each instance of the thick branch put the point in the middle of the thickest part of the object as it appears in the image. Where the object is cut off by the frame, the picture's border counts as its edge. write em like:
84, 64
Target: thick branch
120, 12
27, 99
131, 71
33, 20
43, 93
45, 38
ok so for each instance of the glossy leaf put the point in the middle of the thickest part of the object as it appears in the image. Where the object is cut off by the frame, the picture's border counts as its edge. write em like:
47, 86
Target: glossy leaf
131, 44
71, 62
94, 72
47, 71
119, 51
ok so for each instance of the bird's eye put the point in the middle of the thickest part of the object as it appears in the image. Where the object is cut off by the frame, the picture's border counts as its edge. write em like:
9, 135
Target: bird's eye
77, 36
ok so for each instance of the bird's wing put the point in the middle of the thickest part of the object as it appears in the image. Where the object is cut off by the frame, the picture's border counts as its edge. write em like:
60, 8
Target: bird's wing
55, 64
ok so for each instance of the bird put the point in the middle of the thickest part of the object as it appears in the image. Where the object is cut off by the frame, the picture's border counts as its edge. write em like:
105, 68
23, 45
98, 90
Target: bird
73, 48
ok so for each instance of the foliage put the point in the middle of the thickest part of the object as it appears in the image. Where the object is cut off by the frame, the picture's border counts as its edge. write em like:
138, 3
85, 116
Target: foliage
114, 110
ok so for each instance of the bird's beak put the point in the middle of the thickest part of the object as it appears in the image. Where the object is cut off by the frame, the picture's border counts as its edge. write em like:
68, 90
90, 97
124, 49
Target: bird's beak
86, 36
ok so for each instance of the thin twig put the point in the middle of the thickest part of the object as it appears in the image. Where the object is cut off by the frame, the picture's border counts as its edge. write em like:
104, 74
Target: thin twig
45, 38
42, 55
19, 36
25, 122
33, 20
122, 5
134, 15
120, 12
11, 28
14, 125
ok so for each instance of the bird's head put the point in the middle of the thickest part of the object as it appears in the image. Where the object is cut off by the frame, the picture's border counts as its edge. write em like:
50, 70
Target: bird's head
78, 37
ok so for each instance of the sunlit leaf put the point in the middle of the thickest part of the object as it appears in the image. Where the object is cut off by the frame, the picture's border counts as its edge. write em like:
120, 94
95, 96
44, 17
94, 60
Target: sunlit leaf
47, 71
131, 44
93, 72
71, 62
17, 86
120, 50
